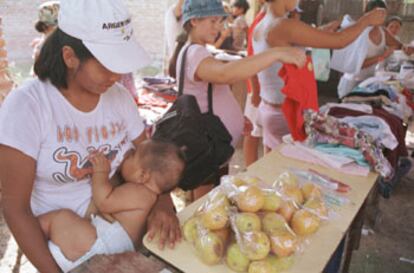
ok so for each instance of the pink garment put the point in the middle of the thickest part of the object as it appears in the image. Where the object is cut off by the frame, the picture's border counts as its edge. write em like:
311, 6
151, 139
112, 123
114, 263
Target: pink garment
296, 152
225, 105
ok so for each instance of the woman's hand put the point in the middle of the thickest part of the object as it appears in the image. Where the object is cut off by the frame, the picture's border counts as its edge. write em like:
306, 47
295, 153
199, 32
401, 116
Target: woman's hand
375, 17
291, 55
163, 223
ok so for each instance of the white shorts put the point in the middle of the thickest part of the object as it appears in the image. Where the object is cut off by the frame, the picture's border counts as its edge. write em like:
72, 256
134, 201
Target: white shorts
250, 111
273, 124
111, 239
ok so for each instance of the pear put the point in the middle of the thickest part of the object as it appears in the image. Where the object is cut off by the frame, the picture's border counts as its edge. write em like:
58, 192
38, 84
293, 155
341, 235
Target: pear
215, 218
310, 190
261, 267
236, 259
247, 221
316, 206
272, 201
283, 242
280, 263
287, 210
294, 194
209, 248
304, 222
223, 234
256, 245
273, 221
190, 229
251, 199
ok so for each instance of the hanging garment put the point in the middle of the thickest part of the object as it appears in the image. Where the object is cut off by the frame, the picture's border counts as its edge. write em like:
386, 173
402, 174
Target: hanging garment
301, 93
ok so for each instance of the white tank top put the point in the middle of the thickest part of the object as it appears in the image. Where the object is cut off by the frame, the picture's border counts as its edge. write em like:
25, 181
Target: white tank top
270, 82
373, 50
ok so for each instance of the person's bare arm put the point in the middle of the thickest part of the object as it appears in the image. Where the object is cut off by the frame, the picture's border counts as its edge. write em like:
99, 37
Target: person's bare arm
292, 32
391, 41
214, 71
377, 59
17, 173
331, 26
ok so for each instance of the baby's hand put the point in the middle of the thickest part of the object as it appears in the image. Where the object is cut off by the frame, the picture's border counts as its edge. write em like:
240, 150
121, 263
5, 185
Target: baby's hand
100, 163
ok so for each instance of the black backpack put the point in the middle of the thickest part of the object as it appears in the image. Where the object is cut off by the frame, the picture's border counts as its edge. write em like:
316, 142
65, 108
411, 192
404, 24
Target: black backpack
205, 138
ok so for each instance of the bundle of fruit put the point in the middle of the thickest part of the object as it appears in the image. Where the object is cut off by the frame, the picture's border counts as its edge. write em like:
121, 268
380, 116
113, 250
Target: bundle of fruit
253, 226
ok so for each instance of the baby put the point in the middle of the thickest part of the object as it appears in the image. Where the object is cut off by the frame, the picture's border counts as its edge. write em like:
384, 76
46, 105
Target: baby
152, 169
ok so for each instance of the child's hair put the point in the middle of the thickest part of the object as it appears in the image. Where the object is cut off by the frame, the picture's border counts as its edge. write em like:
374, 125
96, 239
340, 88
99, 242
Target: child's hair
181, 40
50, 64
243, 4
372, 4
165, 161
394, 19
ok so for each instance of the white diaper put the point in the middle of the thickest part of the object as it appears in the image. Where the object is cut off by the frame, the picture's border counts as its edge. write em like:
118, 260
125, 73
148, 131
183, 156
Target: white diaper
111, 239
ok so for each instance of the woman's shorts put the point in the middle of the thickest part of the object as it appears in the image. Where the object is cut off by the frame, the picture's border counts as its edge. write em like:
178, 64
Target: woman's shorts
274, 126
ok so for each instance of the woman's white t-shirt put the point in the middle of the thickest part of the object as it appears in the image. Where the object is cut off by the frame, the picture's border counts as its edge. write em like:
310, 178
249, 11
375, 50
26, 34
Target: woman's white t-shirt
37, 120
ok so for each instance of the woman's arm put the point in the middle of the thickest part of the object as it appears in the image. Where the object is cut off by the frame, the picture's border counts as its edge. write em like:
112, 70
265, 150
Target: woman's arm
292, 32
17, 173
214, 71
377, 59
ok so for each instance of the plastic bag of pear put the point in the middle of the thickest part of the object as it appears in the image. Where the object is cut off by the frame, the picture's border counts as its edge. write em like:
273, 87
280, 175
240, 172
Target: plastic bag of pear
253, 226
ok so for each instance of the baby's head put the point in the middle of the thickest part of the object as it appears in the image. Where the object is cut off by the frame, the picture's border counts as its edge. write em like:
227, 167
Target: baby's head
157, 164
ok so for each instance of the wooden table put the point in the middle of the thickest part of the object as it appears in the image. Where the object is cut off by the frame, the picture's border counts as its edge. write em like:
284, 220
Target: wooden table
322, 244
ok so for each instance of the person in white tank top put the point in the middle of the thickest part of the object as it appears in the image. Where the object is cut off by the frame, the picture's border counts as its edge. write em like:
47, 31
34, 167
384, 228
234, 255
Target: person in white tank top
278, 30
381, 45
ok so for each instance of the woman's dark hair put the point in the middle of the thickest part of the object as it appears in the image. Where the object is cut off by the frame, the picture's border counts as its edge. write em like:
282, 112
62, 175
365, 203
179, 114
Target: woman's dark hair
243, 4
372, 4
41, 27
181, 41
394, 19
49, 65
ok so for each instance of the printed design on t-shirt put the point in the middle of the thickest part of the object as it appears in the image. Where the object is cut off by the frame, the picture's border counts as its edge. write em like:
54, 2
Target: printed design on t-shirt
76, 167
93, 133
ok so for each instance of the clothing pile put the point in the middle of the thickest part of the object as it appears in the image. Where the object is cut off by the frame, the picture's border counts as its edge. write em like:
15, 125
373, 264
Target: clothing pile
155, 96
384, 93
370, 126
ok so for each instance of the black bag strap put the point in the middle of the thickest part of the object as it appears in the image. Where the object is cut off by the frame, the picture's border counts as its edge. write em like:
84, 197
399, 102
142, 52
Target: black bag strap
181, 82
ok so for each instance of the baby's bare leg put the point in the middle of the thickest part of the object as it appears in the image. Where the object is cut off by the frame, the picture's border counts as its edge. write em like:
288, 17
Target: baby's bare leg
73, 234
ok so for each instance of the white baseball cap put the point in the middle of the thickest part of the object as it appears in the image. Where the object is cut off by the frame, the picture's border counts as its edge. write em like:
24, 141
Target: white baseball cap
105, 28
